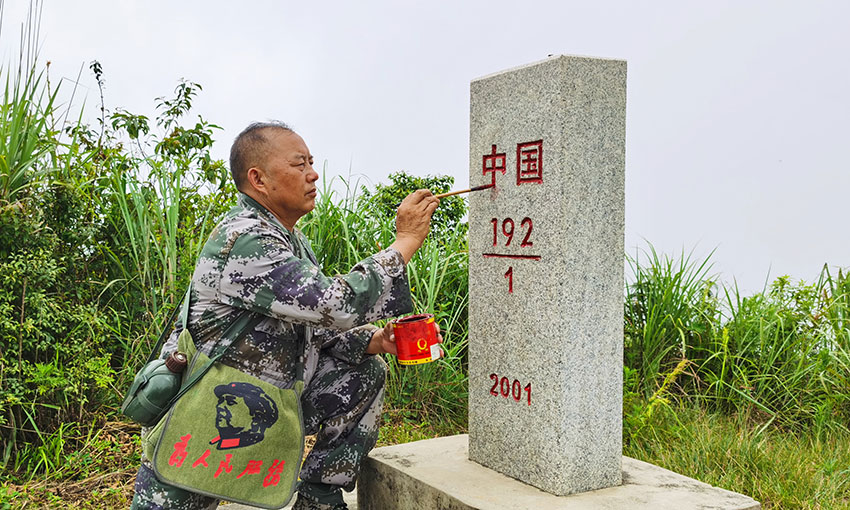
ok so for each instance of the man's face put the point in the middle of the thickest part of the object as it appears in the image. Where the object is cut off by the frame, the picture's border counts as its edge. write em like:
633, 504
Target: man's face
232, 415
290, 178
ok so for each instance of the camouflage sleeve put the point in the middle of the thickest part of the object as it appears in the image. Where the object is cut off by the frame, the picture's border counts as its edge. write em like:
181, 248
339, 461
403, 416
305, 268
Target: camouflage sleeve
349, 346
263, 274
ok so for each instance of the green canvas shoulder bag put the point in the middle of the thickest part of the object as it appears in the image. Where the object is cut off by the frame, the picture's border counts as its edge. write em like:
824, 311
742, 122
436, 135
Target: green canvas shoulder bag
230, 435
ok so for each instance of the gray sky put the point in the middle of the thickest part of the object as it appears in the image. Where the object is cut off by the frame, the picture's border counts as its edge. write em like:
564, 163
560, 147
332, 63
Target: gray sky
737, 122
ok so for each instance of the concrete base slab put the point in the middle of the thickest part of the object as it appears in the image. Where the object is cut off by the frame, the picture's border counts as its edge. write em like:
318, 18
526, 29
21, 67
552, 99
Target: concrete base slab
436, 474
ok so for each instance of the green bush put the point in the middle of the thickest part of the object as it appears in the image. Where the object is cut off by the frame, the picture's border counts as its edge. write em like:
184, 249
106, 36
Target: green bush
98, 237
385, 199
54, 357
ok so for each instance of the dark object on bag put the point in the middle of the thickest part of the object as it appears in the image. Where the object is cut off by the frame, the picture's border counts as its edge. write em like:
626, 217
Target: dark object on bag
154, 388
158, 382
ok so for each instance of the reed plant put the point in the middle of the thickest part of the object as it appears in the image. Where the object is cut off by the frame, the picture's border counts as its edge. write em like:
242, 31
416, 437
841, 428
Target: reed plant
26, 114
670, 309
782, 354
437, 391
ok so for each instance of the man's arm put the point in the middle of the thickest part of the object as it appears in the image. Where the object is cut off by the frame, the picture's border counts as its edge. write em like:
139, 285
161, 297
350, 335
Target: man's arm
349, 346
250, 263
263, 274
353, 345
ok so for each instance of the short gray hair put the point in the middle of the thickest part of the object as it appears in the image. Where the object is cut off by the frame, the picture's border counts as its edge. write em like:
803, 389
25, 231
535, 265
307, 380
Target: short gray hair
250, 148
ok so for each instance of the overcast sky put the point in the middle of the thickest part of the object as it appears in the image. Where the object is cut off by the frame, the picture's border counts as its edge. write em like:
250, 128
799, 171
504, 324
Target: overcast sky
737, 118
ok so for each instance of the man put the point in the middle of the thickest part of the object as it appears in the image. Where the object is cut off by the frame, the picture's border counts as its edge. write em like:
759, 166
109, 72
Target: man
256, 260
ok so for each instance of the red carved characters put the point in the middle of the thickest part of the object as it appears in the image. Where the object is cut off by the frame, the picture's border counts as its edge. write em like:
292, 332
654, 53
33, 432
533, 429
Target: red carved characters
508, 230
508, 227
505, 388
529, 162
494, 162
529, 169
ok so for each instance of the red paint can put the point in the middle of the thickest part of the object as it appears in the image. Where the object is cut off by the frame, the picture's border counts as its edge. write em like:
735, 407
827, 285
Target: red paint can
416, 339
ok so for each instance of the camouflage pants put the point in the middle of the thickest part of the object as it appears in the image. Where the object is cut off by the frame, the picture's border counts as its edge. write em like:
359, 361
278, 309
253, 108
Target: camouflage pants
342, 406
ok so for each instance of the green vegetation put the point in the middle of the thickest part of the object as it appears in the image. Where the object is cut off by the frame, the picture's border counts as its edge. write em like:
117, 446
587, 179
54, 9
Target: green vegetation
783, 469
781, 355
748, 393
99, 229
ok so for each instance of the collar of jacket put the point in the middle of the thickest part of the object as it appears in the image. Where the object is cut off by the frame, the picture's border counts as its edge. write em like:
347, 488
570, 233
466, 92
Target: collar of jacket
246, 202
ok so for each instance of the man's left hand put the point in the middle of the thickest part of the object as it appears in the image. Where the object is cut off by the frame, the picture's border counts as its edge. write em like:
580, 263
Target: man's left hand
383, 340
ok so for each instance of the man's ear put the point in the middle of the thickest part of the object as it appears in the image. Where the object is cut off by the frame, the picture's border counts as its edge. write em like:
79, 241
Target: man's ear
256, 179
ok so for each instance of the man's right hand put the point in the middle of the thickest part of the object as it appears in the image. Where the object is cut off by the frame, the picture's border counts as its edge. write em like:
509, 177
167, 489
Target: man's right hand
412, 222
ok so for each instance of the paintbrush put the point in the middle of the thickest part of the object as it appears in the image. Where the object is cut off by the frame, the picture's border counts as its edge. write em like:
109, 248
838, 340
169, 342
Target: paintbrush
458, 192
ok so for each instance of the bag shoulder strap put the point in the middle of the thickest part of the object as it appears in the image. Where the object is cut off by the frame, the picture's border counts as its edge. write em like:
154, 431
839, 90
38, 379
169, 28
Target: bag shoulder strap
237, 329
166, 330
235, 332
243, 324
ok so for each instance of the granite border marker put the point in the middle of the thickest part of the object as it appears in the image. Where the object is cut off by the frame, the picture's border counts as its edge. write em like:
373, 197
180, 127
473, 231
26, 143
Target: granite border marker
546, 273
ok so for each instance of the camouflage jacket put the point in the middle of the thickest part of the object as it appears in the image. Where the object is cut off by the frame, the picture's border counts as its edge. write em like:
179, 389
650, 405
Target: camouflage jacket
252, 263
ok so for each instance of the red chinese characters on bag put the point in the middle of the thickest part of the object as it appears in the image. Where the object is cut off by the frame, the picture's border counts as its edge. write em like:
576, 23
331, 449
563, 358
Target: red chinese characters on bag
274, 473
180, 453
254, 467
202, 460
226, 465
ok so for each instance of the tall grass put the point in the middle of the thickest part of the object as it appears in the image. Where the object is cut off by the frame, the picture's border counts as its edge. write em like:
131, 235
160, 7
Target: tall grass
25, 116
670, 309
779, 356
